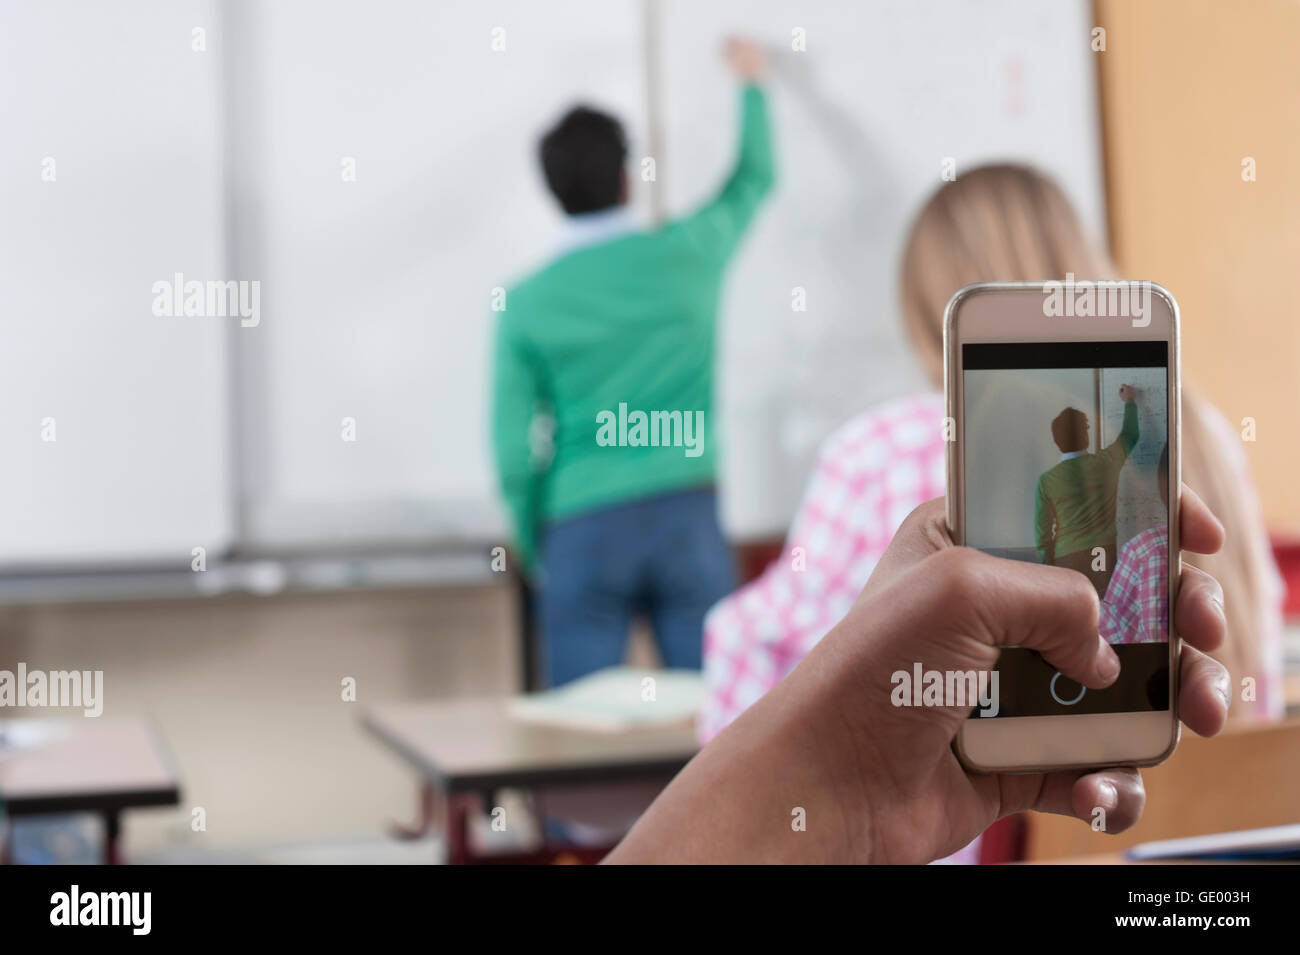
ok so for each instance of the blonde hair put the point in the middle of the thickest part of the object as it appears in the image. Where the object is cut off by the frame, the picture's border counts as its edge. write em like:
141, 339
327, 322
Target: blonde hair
1012, 223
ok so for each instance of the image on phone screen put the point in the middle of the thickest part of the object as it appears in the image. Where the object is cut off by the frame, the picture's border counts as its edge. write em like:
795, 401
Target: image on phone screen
1067, 464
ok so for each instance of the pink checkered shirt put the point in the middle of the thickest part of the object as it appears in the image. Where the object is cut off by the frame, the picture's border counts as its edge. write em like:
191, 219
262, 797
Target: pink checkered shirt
869, 476
1136, 607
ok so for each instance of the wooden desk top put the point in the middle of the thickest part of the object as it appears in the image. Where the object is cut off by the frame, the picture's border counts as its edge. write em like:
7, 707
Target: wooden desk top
75, 764
475, 744
1119, 858
1245, 778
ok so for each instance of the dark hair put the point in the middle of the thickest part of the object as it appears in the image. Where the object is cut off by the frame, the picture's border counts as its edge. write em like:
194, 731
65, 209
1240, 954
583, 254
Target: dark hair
1070, 430
582, 157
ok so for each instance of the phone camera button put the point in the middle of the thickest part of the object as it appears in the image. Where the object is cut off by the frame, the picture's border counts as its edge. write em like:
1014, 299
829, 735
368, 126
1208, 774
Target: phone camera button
1052, 688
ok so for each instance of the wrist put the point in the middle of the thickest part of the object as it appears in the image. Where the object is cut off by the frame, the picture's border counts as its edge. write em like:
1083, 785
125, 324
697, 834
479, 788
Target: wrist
827, 750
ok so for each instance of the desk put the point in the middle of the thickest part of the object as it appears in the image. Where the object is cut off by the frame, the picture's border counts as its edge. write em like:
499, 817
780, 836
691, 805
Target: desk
1115, 858
85, 765
465, 749
1244, 778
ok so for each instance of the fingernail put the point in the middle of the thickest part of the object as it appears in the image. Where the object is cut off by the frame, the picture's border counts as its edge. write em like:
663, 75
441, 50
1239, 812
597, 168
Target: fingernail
1221, 686
1108, 665
1109, 796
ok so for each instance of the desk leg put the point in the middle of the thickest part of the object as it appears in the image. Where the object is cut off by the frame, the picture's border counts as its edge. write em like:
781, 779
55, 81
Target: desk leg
429, 807
457, 808
528, 649
112, 837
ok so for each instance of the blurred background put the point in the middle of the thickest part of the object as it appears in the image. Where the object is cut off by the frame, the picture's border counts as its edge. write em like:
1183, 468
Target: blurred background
181, 507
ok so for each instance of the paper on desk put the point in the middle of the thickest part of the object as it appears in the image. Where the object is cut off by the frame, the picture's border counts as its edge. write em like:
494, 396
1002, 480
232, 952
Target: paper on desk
18, 735
617, 700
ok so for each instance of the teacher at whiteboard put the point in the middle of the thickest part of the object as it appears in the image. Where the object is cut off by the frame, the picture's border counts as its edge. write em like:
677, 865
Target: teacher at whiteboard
611, 347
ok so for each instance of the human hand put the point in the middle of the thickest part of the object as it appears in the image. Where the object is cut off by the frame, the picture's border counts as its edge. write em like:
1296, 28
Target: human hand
953, 608
874, 782
1127, 393
745, 58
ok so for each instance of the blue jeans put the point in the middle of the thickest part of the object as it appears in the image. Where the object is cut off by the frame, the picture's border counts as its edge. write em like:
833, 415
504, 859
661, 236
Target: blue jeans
660, 556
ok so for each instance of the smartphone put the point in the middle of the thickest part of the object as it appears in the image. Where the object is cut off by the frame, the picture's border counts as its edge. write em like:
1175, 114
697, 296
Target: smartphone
1063, 418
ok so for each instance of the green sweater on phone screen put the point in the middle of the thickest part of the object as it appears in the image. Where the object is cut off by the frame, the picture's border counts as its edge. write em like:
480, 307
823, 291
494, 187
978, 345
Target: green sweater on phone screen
1074, 506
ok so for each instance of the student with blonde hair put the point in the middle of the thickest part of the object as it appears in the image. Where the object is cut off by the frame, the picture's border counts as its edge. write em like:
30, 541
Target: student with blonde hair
996, 223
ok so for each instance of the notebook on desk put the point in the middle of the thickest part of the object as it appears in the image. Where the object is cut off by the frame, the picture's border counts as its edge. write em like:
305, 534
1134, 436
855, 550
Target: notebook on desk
617, 700
1273, 843
19, 735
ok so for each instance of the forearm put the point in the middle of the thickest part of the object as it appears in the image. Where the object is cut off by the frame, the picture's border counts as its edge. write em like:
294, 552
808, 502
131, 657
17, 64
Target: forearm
1129, 430
754, 164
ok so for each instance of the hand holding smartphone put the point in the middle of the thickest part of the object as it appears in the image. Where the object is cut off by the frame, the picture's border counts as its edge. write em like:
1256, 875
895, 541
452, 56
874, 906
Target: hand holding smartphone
1063, 405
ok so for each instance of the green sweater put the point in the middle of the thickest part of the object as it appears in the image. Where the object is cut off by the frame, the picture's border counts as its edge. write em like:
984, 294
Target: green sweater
613, 332
1074, 506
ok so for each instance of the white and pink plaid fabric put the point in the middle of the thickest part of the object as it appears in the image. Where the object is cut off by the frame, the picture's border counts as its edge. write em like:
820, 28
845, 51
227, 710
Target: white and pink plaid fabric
1136, 607
869, 476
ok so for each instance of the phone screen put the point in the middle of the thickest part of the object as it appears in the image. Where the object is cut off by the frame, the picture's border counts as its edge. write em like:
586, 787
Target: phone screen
1067, 463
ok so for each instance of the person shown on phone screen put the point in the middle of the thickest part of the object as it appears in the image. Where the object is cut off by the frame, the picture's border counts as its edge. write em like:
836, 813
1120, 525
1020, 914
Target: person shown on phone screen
1074, 504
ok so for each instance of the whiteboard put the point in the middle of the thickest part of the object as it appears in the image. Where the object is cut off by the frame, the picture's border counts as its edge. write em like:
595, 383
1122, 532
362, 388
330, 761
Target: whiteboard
376, 288
863, 117
379, 289
1009, 416
114, 421
1140, 506
1009, 446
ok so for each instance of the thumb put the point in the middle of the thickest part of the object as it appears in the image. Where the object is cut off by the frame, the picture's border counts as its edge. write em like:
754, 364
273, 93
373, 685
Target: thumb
1008, 603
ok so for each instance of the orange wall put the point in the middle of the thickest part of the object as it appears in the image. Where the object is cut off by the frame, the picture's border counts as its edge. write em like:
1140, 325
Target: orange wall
1189, 88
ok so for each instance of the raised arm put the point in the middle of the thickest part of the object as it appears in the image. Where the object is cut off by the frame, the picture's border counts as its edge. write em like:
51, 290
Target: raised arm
718, 226
1128, 432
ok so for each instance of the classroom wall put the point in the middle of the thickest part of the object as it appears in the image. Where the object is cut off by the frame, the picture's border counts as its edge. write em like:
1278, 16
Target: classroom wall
1189, 89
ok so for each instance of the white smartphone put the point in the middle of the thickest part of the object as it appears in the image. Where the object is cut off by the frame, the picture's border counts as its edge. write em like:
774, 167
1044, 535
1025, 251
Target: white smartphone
1063, 413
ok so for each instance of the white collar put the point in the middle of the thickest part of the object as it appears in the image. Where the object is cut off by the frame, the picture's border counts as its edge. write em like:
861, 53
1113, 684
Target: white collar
593, 228
1071, 455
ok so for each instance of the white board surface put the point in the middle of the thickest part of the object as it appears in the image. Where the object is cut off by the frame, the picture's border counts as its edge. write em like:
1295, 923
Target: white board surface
113, 420
376, 290
380, 305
